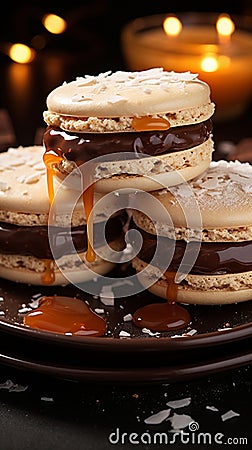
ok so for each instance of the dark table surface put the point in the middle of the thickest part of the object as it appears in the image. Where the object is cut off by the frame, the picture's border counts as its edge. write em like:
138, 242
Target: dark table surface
49, 413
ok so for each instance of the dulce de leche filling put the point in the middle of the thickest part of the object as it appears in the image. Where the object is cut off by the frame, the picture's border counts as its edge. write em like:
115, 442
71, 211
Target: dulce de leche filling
214, 258
82, 147
34, 241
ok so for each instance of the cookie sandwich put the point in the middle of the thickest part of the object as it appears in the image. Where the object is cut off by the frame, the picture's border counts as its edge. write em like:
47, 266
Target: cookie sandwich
143, 130
217, 254
40, 248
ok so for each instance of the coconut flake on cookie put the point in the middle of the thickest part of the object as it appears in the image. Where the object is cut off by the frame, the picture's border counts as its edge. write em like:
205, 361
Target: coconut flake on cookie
223, 183
143, 79
225, 175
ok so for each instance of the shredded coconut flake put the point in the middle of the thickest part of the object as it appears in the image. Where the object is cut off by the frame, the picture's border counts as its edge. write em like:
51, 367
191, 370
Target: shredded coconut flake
157, 418
124, 334
212, 408
149, 332
12, 387
47, 399
180, 421
99, 310
179, 403
228, 415
144, 78
224, 183
4, 186
127, 318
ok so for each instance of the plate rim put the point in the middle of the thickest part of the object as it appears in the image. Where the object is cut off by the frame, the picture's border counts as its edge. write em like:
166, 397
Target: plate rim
131, 374
213, 338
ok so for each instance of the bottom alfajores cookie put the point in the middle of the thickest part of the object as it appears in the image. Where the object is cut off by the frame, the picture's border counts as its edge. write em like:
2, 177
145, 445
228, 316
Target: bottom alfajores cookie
211, 257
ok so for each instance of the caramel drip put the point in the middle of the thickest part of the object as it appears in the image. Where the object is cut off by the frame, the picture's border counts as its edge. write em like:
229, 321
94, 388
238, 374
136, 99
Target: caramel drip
88, 201
51, 160
150, 123
167, 316
65, 315
172, 287
48, 277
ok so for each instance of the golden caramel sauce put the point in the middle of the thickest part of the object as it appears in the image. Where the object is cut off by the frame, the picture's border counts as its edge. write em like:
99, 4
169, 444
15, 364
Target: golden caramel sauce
172, 287
150, 123
50, 161
88, 201
65, 315
48, 276
167, 316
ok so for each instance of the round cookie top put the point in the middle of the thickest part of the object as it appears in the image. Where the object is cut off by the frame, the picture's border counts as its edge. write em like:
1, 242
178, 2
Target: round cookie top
220, 198
23, 180
23, 191
127, 94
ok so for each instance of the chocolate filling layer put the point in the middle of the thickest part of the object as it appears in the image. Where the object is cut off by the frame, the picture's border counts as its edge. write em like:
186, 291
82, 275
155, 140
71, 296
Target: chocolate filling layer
214, 257
82, 147
34, 241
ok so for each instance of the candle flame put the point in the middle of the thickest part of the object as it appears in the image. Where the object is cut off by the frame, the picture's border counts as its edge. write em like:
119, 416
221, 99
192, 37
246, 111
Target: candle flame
54, 24
21, 53
209, 63
172, 26
225, 28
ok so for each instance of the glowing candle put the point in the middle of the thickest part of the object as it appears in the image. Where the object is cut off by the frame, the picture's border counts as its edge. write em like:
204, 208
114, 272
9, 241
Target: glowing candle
54, 24
172, 26
21, 53
225, 28
214, 46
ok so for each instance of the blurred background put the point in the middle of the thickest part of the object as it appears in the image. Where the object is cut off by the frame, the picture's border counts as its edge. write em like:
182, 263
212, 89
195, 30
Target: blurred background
89, 42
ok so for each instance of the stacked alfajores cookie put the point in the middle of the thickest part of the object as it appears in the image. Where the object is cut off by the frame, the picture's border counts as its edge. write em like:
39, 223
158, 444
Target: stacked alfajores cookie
36, 248
142, 130
151, 133
216, 247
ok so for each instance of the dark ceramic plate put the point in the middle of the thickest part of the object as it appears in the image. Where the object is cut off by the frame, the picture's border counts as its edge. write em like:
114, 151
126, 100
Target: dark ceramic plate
132, 375
111, 358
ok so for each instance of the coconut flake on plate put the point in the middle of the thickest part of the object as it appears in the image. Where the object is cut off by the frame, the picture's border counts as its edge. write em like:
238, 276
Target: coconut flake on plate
99, 310
124, 334
149, 332
127, 317
47, 399
229, 415
158, 418
12, 387
212, 408
181, 403
180, 421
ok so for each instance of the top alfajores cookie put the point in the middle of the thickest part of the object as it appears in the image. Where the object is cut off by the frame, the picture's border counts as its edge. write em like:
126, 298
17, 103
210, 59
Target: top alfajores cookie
180, 97
145, 130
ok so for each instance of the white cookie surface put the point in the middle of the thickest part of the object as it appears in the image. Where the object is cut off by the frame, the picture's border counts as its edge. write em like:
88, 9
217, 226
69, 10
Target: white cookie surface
219, 202
23, 191
23, 180
148, 92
